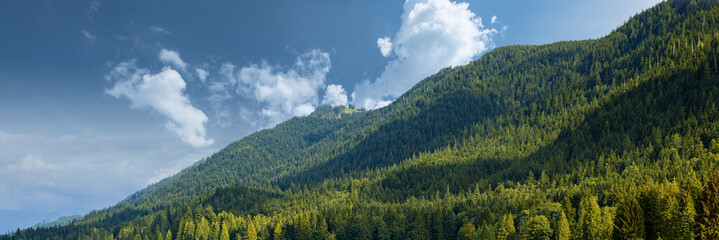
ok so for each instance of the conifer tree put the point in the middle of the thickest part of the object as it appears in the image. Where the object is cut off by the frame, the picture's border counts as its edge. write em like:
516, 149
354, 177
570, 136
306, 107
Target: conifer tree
538, 228
687, 224
251, 231
225, 232
505, 228
708, 218
589, 218
277, 233
629, 219
562, 231
466, 231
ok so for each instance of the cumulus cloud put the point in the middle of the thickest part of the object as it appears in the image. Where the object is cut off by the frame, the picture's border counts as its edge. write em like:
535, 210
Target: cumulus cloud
434, 34
494, 19
385, 45
202, 74
88, 35
286, 92
159, 29
161, 92
335, 95
282, 92
172, 57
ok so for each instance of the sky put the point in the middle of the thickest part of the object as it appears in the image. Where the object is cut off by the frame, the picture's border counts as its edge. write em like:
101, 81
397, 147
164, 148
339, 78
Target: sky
99, 99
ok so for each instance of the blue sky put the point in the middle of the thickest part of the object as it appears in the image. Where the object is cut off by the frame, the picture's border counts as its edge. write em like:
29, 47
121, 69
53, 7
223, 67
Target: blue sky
98, 99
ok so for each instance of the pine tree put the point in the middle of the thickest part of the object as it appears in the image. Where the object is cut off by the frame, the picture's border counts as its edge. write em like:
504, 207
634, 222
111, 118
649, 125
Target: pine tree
538, 228
420, 231
466, 231
168, 236
562, 231
708, 218
570, 212
277, 234
651, 207
203, 229
589, 218
629, 219
189, 231
251, 231
687, 224
225, 232
506, 227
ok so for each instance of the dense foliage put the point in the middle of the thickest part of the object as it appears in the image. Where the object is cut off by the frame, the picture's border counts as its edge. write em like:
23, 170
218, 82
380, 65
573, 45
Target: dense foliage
612, 138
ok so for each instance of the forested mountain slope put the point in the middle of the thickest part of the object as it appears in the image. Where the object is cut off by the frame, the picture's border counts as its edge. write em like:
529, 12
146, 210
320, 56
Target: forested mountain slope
615, 137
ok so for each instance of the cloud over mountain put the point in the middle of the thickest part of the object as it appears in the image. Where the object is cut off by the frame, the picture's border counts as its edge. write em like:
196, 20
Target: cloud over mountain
161, 92
282, 92
434, 34
335, 95
172, 57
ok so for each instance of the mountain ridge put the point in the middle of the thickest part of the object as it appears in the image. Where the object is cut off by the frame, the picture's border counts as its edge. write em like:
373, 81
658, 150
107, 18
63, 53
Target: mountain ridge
523, 136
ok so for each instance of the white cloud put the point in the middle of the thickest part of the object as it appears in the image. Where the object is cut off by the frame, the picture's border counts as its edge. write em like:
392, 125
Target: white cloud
93, 9
88, 35
335, 95
33, 163
72, 174
278, 92
172, 57
385, 45
159, 29
202, 74
221, 90
283, 92
162, 92
494, 19
434, 34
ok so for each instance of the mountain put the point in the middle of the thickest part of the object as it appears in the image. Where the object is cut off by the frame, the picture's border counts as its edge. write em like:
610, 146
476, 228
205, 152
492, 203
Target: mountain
616, 137
61, 221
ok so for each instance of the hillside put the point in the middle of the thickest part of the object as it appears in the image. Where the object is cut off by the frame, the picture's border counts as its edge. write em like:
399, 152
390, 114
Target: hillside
616, 137
61, 221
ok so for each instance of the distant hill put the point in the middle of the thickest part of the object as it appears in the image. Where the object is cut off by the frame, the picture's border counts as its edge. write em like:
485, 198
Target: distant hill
616, 137
61, 221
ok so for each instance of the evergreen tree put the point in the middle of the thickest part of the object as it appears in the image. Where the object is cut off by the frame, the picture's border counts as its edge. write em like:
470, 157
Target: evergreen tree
251, 232
505, 228
225, 232
562, 231
687, 224
538, 228
277, 233
420, 231
589, 218
629, 219
708, 218
466, 231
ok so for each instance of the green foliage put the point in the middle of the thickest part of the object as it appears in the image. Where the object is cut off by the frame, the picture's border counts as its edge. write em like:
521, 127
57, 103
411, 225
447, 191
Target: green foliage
629, 220
589, 223
61, 221
505, 227
622, 130
538, 228
562, 231
708, 218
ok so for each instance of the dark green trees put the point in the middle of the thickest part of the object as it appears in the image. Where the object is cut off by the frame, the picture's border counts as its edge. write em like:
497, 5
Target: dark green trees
708, 217
538, 228
452, 158
629, 219
589, 225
